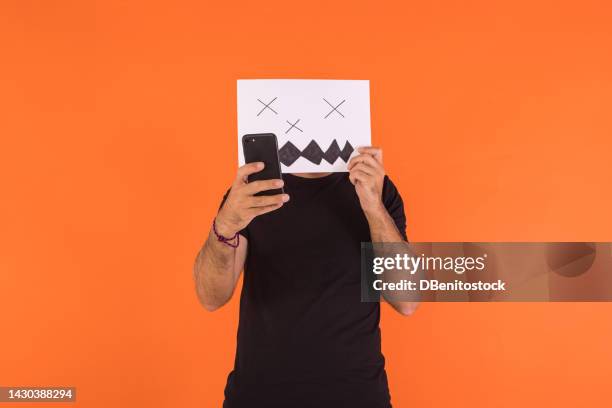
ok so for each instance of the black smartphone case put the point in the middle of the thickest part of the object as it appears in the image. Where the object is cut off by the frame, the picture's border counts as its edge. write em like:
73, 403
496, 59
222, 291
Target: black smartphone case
263, 147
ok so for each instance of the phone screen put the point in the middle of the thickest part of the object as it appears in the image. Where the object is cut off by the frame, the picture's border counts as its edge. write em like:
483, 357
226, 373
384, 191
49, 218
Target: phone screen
263, 147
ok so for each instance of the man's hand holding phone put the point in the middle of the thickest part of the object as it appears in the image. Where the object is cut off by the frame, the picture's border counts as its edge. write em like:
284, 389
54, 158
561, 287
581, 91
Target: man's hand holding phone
241, 205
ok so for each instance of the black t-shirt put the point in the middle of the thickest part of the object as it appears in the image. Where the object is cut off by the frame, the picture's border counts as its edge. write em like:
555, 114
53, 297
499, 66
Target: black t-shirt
305, 339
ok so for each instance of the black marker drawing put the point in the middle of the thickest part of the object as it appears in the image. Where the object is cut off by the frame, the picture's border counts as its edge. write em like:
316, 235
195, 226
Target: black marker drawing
334, 108
293, 125
318, 123
289, 153
266, 106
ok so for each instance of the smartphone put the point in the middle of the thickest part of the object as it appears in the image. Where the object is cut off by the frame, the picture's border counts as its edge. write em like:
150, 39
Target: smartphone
263, 147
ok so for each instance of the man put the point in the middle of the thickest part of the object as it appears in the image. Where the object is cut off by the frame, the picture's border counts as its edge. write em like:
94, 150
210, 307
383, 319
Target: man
304, 339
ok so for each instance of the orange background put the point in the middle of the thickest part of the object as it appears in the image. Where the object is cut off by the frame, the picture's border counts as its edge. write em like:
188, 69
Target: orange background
117, 126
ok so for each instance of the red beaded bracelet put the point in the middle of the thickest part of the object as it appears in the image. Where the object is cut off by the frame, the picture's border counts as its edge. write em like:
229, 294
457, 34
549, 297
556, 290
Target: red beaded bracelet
226, 241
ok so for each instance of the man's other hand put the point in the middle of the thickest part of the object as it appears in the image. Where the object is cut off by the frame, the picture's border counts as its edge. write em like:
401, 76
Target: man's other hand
367, 174
241, 205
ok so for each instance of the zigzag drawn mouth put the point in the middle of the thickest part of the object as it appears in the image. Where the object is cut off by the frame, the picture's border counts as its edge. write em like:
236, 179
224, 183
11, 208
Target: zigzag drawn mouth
289, 153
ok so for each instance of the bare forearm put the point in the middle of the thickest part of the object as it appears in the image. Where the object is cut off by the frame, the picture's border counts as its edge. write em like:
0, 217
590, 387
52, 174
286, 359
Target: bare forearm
214, 273
383, 229
382, 226
218, 265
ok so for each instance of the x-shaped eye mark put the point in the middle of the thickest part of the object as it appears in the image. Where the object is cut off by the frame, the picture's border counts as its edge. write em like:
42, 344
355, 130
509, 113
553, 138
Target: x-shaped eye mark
293, 125
334, 108
266, 106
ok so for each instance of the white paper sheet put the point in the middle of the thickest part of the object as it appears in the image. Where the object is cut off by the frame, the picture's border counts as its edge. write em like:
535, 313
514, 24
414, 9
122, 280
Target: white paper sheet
318, 123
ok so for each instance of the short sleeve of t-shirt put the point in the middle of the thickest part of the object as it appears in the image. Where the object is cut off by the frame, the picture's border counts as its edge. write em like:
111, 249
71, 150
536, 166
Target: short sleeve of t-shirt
244, 232
395, 205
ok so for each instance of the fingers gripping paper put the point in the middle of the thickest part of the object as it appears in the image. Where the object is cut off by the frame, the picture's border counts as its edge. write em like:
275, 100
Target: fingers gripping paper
318, 123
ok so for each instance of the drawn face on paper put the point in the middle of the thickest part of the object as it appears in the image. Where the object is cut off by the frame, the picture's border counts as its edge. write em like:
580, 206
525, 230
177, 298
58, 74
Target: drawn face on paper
318, 123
